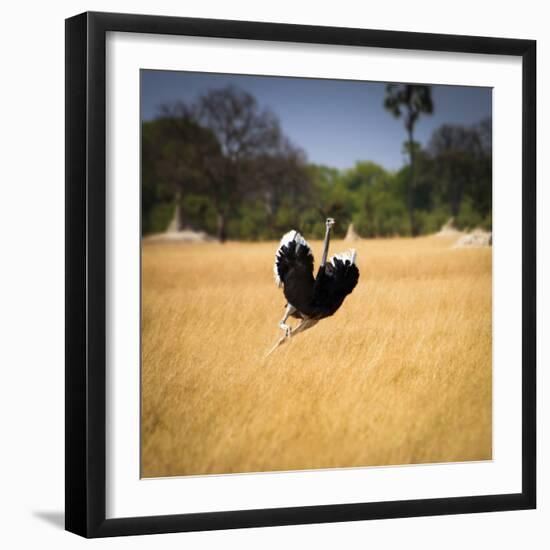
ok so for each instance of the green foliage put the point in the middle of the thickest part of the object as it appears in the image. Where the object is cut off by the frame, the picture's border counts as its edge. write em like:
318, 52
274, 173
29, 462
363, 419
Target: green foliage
378, 206
469, 218
155, 193
199, 212
158, 218
452, 178
431, 221
250, 223
409, 100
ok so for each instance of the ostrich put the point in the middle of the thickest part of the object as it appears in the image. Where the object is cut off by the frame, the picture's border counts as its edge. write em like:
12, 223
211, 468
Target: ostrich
311, 299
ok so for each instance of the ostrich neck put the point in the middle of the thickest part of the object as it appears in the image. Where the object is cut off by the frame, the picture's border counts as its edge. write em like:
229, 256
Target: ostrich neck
325, 247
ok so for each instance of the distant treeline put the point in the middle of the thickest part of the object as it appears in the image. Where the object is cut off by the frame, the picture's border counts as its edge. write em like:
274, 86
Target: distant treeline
235, 175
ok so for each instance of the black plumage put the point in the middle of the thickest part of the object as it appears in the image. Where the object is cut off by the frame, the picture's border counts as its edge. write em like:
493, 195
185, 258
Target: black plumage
333, 283
313, 297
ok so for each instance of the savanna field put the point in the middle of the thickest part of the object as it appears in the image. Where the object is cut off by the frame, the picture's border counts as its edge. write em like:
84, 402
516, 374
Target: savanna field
401, 374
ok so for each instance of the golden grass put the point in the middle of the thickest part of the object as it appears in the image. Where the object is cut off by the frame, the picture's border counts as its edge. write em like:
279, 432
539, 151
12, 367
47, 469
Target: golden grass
401, 374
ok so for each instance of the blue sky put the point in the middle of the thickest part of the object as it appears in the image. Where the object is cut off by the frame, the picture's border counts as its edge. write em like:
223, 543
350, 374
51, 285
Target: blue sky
336, 122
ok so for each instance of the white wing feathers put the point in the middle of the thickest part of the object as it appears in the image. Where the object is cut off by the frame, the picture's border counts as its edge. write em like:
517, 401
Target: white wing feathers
349, 255
292, 235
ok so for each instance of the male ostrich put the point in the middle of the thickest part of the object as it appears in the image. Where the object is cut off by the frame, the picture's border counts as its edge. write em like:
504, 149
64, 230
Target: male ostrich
311, 299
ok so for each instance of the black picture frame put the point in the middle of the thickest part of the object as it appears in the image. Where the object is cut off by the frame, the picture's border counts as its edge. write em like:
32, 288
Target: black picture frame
86, 274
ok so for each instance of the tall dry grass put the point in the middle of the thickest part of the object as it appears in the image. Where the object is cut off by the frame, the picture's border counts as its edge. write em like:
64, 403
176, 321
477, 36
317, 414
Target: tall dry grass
400, 374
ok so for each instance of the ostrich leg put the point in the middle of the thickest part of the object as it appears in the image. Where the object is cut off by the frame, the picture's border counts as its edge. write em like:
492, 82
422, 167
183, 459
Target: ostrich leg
304, 325
282, 323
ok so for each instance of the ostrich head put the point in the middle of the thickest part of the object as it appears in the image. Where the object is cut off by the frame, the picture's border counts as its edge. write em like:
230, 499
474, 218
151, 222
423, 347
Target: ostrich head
329, 223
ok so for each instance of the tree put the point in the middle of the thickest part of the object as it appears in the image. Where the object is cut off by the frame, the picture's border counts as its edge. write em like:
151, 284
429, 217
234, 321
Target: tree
247, 148
462, 158
281, 177
411, 101
170, 148
378, 207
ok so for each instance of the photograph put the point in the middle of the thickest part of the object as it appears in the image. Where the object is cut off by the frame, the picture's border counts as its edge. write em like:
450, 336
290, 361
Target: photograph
316, 273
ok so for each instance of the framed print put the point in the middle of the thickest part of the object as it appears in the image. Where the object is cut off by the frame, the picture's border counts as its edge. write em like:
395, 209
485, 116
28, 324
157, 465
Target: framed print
300, 274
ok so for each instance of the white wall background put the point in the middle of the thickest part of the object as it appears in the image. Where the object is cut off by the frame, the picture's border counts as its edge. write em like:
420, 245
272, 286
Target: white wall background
32, 271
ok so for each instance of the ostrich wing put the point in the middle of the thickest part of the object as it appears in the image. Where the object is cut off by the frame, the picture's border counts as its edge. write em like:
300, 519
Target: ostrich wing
335, 282
293, 255
294, 270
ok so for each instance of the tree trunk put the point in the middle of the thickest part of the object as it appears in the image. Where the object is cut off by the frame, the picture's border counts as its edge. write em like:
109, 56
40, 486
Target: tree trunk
455, 204
222, 227
411, 184
455, 195
456, 198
